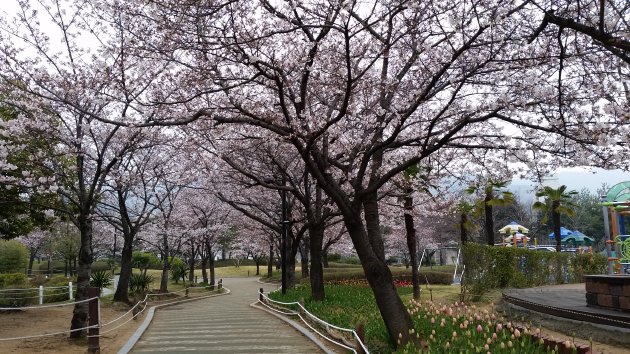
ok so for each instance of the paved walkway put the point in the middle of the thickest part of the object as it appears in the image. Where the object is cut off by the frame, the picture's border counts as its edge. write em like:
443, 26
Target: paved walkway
223, 324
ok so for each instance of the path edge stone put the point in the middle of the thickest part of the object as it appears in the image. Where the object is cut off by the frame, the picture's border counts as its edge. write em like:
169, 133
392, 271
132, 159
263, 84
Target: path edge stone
135, 337
308, 334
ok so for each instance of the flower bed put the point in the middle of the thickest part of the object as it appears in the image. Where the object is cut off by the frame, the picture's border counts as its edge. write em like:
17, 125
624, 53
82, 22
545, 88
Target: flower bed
464, 328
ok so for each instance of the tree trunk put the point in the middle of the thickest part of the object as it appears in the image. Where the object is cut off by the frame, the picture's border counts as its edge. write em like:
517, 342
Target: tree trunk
66, 262
397, 320
80, 312
270, 261
204, 272
411, 242
257, 266
165, 265
290, 258
211, 264
463, 233
489, 221
555, 216
49, 270
325, 258
316, 238
191, 265
31, 260
126, 268
304, 259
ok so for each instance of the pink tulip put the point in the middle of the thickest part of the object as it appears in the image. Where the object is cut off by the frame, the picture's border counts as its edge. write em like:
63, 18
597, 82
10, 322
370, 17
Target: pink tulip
479, 329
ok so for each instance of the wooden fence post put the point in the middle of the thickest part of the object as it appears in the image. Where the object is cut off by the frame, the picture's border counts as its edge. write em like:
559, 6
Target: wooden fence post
360, 330
93, 315
260, 295
220, 284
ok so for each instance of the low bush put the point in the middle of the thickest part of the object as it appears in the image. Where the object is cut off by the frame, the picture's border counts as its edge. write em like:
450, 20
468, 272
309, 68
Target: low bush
13, 256
101, 279
140, 282
13, 280
491, 267
432, 277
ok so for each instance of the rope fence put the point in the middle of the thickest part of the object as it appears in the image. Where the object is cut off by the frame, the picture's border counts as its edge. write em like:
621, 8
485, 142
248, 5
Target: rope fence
307, 318
94, 319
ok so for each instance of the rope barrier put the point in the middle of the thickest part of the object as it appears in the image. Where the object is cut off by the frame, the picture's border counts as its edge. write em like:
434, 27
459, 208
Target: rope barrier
122, 324
48, 334
44, 306
317, 319
33, 289
328, 339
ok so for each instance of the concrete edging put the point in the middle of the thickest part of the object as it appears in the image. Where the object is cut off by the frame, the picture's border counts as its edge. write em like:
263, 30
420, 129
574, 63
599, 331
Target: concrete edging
308, 334
135, 337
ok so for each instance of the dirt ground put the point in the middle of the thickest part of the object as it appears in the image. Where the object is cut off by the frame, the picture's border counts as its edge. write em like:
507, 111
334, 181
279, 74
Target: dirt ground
56, 319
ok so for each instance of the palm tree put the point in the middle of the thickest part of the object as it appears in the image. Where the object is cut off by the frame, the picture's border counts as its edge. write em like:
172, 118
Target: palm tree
557, 202
494, 195
463, 209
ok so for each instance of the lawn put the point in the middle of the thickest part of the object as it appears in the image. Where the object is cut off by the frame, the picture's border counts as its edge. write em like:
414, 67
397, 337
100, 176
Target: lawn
444, 324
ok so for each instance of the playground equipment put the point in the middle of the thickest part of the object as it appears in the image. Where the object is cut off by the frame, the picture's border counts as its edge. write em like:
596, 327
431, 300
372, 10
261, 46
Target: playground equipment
615, 207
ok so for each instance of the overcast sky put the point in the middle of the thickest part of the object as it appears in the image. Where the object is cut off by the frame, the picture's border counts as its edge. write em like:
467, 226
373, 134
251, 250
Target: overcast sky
575, 178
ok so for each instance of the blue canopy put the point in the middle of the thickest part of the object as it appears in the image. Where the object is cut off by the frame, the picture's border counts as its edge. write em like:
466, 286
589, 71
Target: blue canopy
564, 232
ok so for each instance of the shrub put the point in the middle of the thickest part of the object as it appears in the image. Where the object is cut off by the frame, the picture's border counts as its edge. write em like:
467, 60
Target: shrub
101, 279
334, 257
144, 260
13, 256
491, 267
13, 280
433, 277
99, 266
140, 282
55, 265
179, 269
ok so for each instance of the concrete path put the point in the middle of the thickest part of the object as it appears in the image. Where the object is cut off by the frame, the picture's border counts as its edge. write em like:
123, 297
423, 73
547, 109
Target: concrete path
223, 324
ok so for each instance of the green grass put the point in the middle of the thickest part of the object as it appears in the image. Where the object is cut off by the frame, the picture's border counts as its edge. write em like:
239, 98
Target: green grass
350, 305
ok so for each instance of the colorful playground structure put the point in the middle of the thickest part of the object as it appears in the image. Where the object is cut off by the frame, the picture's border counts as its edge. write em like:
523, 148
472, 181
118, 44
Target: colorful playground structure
616, 208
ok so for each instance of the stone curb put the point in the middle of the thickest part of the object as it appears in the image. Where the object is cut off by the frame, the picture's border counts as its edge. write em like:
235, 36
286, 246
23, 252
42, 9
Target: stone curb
308, 334
147, 321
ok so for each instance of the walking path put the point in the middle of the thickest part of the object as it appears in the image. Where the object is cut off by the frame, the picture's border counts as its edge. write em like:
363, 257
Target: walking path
223, 324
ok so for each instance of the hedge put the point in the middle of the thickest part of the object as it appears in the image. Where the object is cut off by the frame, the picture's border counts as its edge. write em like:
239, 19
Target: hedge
13, 256
491, 267
59, 266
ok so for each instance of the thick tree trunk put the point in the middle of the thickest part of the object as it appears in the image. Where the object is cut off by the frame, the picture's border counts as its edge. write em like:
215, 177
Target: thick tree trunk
122, 291
258, 260
555, 216
397, 320
80, 312
411, 242
489, 221
316, 233
270, 261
